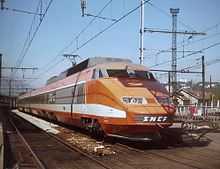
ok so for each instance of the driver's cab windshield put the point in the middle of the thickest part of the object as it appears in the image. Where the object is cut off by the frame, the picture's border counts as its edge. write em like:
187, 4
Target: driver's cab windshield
130, 73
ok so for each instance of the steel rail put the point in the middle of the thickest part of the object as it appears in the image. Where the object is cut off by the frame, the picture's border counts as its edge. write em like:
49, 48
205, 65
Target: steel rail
70, 147
158, 155
39, 163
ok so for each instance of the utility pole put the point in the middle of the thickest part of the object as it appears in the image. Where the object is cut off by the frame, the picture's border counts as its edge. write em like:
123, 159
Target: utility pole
142, 33
174, 13
203, 84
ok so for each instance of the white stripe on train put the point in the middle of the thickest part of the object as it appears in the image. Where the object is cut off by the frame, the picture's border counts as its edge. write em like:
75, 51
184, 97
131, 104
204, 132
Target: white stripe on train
89, 109
51, 90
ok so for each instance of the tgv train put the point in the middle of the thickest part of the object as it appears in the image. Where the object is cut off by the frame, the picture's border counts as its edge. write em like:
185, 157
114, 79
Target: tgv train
104, 95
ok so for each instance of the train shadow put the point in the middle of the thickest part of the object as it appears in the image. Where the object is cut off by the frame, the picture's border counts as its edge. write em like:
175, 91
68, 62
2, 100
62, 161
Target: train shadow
185, 140
173, 140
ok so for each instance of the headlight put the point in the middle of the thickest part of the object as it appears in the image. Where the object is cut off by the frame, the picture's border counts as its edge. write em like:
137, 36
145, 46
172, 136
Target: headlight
133, 100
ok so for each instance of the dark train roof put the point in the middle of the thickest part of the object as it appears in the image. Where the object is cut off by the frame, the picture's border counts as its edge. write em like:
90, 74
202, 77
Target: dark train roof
90, 62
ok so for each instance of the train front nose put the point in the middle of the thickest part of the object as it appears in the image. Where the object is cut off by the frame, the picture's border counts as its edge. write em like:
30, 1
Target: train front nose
144, 115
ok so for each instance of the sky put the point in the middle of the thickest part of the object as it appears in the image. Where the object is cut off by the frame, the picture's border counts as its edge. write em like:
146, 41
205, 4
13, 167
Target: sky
63, 21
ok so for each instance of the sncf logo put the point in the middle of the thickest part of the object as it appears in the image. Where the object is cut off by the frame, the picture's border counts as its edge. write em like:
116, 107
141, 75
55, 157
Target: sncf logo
155, 118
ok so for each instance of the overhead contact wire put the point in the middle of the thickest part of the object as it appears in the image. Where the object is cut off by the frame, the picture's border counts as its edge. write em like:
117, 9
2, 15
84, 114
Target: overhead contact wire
34, 34
193, 53
105, 29
108, 27
79, 34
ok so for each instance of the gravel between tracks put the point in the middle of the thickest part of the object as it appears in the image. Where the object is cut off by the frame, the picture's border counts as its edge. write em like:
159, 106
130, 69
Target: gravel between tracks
82, 141
205, 156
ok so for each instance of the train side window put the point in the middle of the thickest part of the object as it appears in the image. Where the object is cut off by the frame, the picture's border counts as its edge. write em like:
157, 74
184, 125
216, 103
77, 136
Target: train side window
100, 73
51, 97
31, 99
39, 99
79, 97
64, 96
117, 73
66, 92
144, 74
152, 76
94, 74
97, 73
45, 98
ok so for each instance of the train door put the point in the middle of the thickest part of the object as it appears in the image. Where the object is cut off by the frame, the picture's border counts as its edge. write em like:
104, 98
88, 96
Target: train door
78, 99
77, 96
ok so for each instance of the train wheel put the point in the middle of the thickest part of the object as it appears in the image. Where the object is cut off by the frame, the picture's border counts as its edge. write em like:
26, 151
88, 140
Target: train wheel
172, 138
96, 130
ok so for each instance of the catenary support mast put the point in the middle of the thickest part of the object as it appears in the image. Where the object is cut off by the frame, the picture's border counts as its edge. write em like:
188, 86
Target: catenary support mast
142, 33
174, 13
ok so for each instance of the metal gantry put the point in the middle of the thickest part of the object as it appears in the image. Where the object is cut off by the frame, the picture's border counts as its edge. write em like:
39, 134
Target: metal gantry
174, 13
11, 79
174, 32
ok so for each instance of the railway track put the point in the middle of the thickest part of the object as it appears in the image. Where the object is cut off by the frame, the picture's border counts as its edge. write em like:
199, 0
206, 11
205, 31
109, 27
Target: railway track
56, 153
183, 158
50, 152
17, 154
36, 163
155, 154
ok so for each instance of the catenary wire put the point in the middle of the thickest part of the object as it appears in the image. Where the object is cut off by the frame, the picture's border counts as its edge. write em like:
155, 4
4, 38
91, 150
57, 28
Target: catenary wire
28, 36
188, 43
168, 15
107, 28
193, 53
76, 37
21, 11
34, 34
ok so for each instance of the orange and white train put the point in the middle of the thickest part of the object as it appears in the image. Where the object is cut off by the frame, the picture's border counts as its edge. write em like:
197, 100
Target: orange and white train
104, 95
